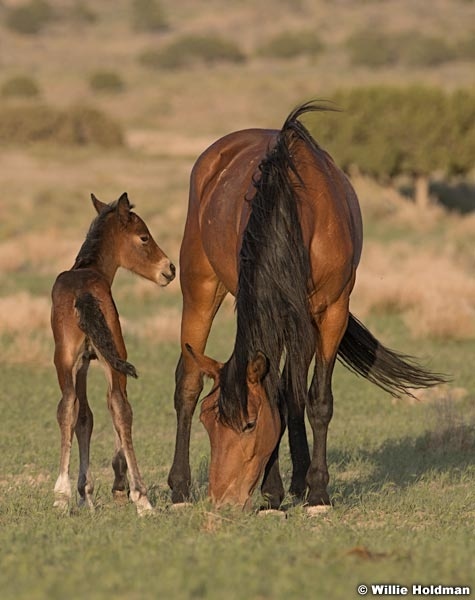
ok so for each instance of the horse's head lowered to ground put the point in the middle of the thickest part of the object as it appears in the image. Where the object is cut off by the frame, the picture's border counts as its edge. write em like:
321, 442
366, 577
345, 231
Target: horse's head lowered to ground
239, 454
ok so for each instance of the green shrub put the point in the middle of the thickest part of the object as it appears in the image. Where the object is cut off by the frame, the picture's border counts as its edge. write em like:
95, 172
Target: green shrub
191, 49
82, 13
290, 44
419, 50
84, 125
106, 81
376, 49
29, 18
20, 86
465, 48
79, 125
371, 48
147, 15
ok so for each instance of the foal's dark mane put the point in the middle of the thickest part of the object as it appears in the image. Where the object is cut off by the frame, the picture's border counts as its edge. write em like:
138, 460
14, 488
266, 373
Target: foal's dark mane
92, 244
274, 270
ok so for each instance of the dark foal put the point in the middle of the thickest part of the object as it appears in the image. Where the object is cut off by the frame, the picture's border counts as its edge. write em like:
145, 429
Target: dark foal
85, 326
273, 221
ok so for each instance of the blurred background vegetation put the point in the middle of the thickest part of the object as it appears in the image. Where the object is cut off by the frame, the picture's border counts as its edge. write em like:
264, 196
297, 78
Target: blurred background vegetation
141, 69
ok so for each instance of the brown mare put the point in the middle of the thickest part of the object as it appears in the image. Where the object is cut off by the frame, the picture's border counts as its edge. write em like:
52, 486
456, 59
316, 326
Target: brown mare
85, 326
273, 221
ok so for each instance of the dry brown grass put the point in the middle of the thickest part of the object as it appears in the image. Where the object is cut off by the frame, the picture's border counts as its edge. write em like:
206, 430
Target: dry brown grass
435, 294
46, 252
25, 329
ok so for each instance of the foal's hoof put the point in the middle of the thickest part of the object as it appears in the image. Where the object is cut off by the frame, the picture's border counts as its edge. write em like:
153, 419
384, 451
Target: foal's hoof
315, 511
177, 506
273, 512
143, 506
61, 503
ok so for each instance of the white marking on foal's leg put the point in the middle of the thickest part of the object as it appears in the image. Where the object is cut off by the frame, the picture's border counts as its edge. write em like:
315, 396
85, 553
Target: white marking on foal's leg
142, 503
181, 505
62, 492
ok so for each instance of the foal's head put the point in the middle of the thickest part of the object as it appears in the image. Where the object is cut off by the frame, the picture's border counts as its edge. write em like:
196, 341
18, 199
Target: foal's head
132, 242
239, 455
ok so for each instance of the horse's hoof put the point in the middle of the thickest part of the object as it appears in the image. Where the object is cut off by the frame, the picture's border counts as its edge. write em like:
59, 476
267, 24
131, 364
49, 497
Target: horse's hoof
315, 511
120, 496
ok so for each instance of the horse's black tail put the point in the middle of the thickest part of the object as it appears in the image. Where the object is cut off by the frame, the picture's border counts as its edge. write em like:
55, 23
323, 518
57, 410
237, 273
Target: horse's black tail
94, 325
395, 373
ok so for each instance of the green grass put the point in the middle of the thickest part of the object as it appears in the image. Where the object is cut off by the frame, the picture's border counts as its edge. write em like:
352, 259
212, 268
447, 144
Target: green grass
404, 499
402, 474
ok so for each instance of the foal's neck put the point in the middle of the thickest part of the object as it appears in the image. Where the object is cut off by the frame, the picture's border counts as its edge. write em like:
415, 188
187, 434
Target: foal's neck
99, 255
106, 263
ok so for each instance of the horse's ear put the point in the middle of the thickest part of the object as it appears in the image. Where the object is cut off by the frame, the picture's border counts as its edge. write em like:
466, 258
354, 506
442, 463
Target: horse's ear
98, 205
208, 366
257, 368
123, 208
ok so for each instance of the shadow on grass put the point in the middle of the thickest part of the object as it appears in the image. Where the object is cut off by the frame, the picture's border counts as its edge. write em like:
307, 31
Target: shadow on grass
448, 449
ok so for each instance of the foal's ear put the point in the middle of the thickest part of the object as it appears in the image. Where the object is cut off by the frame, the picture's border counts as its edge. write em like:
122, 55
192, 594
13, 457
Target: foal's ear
98, 205
208, 366
257, 368
123, 208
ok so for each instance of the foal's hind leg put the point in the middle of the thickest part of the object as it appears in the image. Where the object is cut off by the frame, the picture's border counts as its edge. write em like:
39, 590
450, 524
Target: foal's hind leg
121, 413
67, 415
120, 487
84, 426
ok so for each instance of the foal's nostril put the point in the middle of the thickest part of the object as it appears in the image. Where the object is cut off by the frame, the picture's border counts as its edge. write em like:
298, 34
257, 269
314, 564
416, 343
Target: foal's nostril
172, 269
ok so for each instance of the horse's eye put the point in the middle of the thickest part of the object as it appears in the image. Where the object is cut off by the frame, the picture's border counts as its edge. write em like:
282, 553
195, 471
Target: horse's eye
144, 238
248, 427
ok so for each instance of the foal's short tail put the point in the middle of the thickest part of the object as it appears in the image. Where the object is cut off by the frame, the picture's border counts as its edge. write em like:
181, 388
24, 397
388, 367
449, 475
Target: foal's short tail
396, 373
94, 325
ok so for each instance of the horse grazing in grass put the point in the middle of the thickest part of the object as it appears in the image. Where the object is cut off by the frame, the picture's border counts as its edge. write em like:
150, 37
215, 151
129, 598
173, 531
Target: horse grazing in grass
86, 326
273, 221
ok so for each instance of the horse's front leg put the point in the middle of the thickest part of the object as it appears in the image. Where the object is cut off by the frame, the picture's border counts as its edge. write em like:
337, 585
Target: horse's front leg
189, 383
202, 297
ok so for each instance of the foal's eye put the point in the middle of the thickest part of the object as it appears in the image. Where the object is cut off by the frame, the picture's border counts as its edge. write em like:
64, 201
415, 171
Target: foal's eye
144, 238
248, 427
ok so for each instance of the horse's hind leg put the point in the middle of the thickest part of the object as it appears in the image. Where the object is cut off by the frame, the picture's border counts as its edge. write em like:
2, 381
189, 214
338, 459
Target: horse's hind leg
84, 426
67, 415
331, 325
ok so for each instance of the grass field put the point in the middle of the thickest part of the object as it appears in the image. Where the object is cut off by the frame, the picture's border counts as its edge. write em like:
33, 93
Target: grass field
402, 472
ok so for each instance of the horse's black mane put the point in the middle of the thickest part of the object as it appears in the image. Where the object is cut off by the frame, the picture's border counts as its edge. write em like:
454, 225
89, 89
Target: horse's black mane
274, 270
92, 244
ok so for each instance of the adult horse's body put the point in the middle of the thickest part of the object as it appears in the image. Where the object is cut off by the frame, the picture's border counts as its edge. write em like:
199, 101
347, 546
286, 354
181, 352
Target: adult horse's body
86, 326
273, 221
